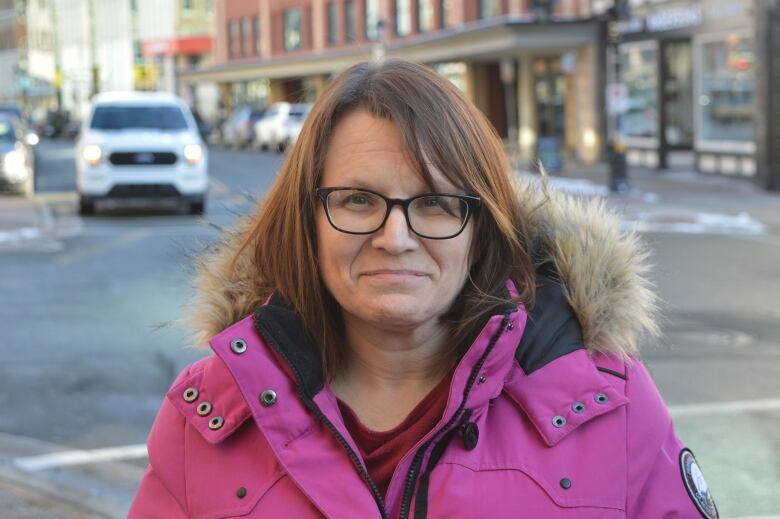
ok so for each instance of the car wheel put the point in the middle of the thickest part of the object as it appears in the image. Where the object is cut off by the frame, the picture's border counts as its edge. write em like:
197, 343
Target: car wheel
86, 206
197, 208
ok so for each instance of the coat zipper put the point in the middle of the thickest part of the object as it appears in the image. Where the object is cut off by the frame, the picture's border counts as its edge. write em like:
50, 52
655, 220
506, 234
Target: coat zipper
414, 469
314, 408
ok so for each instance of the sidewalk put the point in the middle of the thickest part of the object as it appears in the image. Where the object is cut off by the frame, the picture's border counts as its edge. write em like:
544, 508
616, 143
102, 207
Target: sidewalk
24, 223
680, 197
85, 491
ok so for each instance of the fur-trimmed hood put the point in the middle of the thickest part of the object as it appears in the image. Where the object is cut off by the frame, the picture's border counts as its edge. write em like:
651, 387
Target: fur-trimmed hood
601, 267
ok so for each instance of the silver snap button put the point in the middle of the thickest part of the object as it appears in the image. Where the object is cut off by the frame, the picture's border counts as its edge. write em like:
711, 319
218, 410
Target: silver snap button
190, 394
482, 379
559, 421
216, 422
578, 407
511, 325
601, 398
238, 346
204, 408
268, 397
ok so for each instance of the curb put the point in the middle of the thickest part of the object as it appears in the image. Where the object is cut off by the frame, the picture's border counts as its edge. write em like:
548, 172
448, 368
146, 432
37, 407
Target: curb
102, 490
32, 224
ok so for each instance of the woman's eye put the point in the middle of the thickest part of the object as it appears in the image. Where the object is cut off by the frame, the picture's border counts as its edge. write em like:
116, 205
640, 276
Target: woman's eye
357, 199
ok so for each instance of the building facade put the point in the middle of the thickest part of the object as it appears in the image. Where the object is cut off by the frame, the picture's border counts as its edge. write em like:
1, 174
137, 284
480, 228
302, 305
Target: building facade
174, 37
533, 67
689, 68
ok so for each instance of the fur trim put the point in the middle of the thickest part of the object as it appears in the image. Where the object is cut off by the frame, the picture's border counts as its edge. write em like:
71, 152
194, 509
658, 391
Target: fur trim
602, 268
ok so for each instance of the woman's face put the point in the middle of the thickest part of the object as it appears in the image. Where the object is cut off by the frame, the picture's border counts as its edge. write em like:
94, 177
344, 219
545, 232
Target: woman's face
391, 279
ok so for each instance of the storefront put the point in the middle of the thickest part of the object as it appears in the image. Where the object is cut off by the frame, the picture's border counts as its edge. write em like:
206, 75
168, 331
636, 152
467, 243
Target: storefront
689, 72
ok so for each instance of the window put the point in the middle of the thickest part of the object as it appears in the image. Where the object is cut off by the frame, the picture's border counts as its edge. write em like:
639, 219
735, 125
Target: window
372, 20
246, 33
424, 15
726, 88
488, 8
349, 5
638, 70
187, 4
403, 17
257, 41
292, 30
233, 38
333, 23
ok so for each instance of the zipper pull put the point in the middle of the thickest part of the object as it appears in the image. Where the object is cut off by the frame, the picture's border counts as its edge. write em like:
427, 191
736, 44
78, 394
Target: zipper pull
469, 431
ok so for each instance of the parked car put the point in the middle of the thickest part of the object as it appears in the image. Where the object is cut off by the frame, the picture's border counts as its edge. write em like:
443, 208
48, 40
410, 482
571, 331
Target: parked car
293, 124
140, 146
17, 160
270, 129
238, 130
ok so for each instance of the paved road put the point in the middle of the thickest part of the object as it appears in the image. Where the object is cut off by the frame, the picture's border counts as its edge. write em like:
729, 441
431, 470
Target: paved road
91, 340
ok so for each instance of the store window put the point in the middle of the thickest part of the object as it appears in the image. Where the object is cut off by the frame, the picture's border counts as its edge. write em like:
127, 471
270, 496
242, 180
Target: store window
726, 88
403, 17
372, 20
333, 23
678, 93
639, 72
351, 30
424, 15
454, 71
292, 30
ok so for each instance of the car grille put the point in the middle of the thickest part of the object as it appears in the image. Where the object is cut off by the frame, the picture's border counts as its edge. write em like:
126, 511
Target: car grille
143, 191
143, 158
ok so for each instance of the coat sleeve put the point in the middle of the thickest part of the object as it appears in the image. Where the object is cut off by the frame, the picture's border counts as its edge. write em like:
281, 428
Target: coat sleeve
656, 456
162, 492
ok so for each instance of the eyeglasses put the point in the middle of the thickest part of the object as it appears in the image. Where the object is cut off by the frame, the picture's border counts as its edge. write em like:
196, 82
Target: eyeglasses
436, 216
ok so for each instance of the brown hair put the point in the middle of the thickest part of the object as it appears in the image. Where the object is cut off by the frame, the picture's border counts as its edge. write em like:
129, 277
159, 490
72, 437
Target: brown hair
439, 124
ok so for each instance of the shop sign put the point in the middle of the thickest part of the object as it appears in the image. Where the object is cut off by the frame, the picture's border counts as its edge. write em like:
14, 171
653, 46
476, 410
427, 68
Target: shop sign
671, 19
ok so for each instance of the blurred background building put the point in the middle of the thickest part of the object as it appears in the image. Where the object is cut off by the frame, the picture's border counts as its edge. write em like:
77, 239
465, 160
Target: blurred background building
673, 81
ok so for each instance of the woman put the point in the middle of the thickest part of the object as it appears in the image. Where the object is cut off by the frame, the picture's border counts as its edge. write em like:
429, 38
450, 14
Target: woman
400, 331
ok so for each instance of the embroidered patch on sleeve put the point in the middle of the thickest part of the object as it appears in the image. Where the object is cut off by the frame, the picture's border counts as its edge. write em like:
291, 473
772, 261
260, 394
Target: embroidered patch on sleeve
696, 485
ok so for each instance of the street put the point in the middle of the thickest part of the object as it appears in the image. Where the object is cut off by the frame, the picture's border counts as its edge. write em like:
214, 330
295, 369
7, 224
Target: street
93, 332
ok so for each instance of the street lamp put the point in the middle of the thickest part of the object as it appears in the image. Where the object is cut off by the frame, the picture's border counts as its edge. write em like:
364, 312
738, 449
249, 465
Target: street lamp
379, 50
616, 152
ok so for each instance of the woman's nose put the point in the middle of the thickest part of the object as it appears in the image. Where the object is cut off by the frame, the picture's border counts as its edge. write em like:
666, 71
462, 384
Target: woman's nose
395, 236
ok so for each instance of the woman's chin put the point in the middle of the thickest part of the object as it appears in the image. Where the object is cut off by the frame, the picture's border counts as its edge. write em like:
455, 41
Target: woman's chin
397, 313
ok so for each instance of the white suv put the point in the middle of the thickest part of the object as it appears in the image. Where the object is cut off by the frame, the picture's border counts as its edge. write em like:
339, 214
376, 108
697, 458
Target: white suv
141, 146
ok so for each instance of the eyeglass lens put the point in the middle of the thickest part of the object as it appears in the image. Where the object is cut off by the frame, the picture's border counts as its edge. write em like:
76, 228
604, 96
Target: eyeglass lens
435, 216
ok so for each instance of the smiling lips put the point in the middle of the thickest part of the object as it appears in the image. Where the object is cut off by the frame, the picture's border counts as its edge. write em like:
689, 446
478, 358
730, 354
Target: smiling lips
394, 274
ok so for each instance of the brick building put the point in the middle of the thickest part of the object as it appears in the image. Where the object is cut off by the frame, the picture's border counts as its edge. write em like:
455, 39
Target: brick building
532, 66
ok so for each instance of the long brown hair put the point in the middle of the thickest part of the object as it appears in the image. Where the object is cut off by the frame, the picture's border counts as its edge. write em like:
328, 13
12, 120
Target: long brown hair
439, 125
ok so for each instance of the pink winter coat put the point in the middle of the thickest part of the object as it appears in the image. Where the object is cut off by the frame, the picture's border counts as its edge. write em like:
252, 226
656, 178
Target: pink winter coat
544, 418
534, 427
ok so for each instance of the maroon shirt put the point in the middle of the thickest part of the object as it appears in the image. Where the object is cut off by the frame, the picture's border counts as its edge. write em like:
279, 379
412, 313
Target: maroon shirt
383, 450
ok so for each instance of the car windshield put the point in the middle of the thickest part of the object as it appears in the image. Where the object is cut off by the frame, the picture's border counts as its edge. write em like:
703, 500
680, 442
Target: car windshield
7, 132
128, 117
11, 110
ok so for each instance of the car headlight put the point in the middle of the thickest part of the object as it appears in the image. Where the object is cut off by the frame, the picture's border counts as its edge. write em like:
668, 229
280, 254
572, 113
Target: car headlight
13, 165
193, 153
92, 154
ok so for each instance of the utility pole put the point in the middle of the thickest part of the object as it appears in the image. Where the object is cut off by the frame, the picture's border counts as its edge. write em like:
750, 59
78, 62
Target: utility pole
616, 147
767, 114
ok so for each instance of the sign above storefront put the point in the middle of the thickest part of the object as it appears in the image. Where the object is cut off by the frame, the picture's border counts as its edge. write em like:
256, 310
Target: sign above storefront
707, 13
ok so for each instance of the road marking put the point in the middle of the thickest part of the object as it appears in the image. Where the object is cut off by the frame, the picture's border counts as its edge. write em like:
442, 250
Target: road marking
80, 457
735, 407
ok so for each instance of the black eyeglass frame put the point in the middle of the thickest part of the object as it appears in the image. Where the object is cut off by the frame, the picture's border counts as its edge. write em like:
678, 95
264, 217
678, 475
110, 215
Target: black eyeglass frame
472, 202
